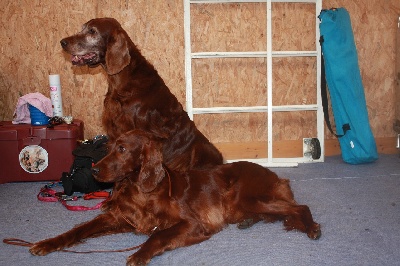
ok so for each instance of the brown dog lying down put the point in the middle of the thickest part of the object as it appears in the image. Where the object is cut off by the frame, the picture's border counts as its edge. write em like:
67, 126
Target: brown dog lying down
179, 209
137, 97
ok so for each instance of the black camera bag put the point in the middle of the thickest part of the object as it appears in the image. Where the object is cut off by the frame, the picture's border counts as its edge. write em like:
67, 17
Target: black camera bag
80, 178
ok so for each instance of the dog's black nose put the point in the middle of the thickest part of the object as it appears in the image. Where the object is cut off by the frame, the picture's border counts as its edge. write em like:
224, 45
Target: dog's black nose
63, 43
95, 171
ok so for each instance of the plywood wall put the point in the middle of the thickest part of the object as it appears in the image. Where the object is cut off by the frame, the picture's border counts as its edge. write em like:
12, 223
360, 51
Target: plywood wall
30, 46
30, 50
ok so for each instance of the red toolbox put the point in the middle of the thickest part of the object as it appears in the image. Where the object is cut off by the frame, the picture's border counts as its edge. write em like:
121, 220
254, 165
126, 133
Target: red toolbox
37, 153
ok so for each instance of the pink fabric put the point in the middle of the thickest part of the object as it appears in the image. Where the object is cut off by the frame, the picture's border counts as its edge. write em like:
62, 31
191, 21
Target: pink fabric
36, 99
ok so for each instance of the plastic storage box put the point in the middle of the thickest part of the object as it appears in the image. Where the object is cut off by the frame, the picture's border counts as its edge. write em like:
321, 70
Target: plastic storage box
37, 153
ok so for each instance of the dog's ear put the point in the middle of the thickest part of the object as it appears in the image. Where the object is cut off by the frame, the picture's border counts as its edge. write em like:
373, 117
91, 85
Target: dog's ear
152, 171
117, 55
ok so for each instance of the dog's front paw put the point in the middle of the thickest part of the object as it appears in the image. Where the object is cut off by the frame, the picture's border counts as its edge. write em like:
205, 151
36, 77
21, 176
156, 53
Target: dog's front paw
136, 260
43, 248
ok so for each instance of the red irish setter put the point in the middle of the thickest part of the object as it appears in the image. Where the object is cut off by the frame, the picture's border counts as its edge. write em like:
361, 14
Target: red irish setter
177, 209
137, 96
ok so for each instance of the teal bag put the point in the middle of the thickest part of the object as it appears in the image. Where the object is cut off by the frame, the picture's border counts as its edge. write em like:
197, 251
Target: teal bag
342, 74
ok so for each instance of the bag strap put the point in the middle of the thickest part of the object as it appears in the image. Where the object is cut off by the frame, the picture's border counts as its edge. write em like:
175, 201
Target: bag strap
324, 96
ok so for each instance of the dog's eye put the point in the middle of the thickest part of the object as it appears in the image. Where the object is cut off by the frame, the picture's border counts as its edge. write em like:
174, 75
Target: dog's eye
92, 31
121, 149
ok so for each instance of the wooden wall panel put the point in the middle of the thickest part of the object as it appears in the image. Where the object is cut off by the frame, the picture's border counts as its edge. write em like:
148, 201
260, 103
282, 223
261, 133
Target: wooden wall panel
30, 45
30, 50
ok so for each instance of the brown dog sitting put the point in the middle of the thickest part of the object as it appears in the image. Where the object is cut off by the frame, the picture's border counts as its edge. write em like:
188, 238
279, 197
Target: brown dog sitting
178, 209
137, 97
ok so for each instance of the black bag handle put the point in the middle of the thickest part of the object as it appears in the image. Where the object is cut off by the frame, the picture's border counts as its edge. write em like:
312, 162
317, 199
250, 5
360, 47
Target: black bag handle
324, 96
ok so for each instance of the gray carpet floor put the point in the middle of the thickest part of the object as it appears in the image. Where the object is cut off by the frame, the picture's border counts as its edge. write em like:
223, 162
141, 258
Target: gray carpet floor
358, 207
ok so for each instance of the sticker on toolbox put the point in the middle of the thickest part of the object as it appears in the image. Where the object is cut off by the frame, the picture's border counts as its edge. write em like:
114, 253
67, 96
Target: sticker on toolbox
33, 159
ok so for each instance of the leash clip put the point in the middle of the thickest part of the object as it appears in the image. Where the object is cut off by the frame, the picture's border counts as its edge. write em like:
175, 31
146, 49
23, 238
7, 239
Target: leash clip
68, 198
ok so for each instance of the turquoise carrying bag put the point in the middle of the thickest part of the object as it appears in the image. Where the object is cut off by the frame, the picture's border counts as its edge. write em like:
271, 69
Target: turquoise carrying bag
341, 70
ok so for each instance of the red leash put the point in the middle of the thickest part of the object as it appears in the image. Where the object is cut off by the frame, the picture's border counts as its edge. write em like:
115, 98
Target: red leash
50, 195
23, 243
